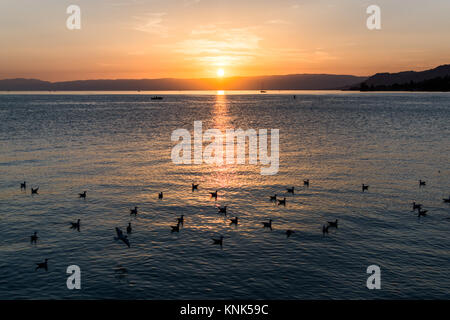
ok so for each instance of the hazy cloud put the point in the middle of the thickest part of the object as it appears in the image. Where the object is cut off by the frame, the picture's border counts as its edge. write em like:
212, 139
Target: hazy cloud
126, 3
190, 2
277, 21
219, 45
152, 23
204, 29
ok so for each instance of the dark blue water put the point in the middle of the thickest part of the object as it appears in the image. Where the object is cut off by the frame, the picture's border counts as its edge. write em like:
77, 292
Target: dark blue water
118, 147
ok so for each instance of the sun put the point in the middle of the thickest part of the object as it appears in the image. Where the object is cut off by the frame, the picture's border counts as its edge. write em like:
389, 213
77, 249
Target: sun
220, 72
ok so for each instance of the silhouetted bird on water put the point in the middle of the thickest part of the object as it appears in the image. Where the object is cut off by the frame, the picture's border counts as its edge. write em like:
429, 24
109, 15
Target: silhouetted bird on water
181, 219
134, 211
416, 206
325, 229
213, 194
289, 233
218, 241
121, 236
364, 187
23, 185
223, 210
446, 200
290, 190
34, 237
34, 191
422, 213
333, 224
129, 229
121, 270
194, 187
160, 195
306, 182
176, 228
422, 183
267, 224
82, 195
234, 220
282, 202
75, 225
42, 265
273, 198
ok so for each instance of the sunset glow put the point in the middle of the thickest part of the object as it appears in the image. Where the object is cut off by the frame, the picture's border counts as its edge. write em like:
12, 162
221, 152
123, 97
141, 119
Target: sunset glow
198, 39
227, 158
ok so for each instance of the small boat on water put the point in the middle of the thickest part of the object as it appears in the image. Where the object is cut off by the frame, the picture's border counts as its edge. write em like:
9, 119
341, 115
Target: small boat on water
262, 88
156, 98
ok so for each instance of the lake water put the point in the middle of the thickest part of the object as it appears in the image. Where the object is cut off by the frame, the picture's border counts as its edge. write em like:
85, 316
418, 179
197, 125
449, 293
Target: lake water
118, 148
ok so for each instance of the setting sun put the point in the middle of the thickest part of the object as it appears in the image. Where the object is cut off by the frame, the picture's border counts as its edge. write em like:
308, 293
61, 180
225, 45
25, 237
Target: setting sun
220, 72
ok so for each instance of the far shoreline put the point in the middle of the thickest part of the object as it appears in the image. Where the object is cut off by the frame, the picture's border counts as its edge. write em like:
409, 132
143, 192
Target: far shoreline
210, 92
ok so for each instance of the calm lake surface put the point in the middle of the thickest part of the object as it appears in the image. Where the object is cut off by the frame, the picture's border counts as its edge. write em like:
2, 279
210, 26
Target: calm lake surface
118, 148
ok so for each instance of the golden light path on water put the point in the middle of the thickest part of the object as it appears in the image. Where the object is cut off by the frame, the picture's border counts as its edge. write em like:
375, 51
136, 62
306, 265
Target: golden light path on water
118, 148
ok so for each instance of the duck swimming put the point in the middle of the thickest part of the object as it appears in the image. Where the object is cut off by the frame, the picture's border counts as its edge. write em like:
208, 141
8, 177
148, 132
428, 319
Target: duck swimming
416, 206
42, 265
333, 224
34, 237
82, 195
121, 236
422, 213
218, 241
75, 225
213, 194
267, 224
176, 228
223, 209
282, 202
289, 233
134, 211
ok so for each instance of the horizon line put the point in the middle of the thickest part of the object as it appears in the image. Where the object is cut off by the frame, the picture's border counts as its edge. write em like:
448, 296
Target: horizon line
201, 78
225, 77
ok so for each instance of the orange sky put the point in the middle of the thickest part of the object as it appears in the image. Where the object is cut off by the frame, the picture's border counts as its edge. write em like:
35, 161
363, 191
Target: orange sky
195, 38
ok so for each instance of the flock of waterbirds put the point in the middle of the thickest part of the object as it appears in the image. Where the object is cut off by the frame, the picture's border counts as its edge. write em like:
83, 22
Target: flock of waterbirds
221, 209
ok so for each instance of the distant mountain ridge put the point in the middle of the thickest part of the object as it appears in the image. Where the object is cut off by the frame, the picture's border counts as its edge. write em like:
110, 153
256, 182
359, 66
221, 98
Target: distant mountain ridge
436, 79
400, 78
275, 82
